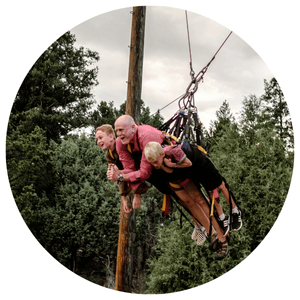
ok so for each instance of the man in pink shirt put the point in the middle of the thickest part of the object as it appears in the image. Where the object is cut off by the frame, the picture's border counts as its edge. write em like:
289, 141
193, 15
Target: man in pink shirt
131, 141
130, 144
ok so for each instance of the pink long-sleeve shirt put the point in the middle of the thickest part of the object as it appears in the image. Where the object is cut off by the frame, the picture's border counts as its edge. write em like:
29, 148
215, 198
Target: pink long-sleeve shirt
143, 135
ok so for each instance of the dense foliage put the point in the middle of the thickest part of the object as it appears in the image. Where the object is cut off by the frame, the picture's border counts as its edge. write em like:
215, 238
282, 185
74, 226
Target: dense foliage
54, 98
81, 221
106, 113
59, 182
257, 162
56, 93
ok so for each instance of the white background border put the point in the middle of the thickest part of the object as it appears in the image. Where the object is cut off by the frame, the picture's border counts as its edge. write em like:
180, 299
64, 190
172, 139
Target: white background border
29, 27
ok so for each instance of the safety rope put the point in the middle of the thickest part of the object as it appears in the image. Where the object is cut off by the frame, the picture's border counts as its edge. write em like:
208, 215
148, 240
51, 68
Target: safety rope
187, 99
170, 103
192, 73
197, 78
187, 114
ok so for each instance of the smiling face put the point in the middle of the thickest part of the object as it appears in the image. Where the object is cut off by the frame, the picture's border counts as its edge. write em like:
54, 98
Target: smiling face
125, 129
104, 141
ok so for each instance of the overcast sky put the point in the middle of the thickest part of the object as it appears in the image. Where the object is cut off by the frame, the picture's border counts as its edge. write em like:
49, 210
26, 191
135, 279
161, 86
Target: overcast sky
236, 72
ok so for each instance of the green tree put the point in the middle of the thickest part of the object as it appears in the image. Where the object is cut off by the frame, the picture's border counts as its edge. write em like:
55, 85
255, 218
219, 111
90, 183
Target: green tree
252, 118
54, 98
265, 185
106, 113
58, 88
253, 160
30, 169
217, 127
277, 107
81, 222
179, 264
155, 120
259, 177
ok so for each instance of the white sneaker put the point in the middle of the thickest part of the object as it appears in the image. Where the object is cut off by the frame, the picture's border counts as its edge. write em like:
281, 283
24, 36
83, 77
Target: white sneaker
199, 234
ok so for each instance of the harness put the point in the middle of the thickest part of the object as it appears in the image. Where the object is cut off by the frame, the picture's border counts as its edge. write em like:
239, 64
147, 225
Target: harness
137, 140
116, 159
111, 154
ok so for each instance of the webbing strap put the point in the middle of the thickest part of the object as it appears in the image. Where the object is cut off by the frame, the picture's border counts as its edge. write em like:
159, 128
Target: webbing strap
111, 154
202, 149
166, 205
173, 185
212, 197
180, 185
129, 148
231, 197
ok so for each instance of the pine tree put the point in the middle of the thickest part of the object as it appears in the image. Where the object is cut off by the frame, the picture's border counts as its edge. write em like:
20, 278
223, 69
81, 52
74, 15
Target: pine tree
252, 118
81, 223
106, 113
217, 127
53, 99
277, 108
57, 90
252, 158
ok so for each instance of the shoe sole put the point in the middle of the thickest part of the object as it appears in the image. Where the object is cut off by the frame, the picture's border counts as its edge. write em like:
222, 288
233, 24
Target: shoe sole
226, 233
228, 228
237, 229
222, 257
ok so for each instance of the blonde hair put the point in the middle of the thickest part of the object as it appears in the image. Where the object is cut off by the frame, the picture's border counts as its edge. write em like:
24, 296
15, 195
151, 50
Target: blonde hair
152, 151
107, 128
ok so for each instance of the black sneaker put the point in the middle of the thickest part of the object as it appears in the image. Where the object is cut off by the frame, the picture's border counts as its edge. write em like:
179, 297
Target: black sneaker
222, 250
237, 221
225, 225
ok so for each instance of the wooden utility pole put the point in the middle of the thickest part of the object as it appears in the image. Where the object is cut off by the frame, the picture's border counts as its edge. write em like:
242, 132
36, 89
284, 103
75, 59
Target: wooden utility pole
124, 267
135, 74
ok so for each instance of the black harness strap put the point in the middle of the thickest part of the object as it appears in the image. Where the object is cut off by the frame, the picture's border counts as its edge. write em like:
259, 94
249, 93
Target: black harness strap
231, 196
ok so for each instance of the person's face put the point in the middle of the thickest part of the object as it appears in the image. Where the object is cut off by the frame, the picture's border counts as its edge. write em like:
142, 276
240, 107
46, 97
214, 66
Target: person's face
125, 132
104, 141
157, 163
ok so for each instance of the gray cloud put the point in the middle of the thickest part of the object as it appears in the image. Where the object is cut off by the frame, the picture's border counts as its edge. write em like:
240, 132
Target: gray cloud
236, 72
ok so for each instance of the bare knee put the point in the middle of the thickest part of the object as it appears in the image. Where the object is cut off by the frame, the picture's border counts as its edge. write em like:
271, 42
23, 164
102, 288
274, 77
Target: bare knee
198, 199
184, 197
222, 187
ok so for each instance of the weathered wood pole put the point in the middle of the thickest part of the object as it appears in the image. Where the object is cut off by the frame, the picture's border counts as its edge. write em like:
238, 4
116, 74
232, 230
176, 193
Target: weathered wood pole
124, 269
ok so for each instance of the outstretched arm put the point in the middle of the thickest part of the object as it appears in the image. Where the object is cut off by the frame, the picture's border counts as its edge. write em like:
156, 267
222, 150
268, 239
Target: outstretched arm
129, 172
113, 172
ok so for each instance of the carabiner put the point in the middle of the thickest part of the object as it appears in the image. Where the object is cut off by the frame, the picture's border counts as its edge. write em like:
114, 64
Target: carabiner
194, 89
